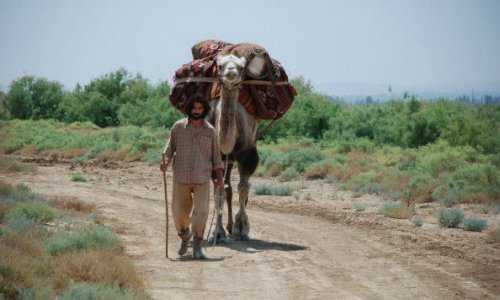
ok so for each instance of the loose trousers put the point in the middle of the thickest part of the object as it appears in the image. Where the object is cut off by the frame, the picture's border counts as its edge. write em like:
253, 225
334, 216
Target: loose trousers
190, 206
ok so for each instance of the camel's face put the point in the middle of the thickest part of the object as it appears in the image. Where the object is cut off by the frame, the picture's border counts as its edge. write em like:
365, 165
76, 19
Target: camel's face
231, 70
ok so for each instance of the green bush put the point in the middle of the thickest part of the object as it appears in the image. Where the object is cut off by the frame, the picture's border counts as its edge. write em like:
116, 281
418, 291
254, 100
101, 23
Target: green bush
275, 190
86, 291
78, 177
31, 211
418, 221
451, 217
360, 206
451, 198
289, 174
12, 194
474, 224
87, 238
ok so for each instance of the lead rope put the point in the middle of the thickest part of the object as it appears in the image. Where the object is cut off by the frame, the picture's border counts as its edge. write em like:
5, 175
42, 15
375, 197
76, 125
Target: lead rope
218, 195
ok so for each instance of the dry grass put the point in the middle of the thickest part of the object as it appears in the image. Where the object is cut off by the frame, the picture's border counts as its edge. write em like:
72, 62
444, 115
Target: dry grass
354, 157
105, 266
8, 166
72, 153
22, 263
26, 150
273, 170
319, 171
73, 203
481, 197
112, 155
397, 210
398, 182
423, 194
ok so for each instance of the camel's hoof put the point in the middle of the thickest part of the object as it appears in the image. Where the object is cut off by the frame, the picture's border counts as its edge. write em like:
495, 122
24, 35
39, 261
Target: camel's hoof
219, 239
242, 237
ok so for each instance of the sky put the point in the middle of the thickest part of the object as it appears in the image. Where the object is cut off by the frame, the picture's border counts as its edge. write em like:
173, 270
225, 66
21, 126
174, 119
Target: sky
329, 43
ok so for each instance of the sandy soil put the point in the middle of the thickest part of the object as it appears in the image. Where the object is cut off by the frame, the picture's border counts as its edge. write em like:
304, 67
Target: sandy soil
319, 243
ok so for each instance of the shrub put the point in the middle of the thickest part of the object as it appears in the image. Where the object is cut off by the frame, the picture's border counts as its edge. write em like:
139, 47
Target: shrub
85, 291
418, 221
10, 194
451, 198
360, 206
78, 177
14, 166
289, 174
32, 211
87, 238
450, 217
474, 224
275, 190
103, 266
396, 210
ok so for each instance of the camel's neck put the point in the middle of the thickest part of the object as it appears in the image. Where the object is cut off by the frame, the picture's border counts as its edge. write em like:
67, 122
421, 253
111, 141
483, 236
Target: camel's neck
227, 123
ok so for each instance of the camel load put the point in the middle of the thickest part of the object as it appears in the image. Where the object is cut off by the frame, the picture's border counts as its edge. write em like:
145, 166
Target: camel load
265, 91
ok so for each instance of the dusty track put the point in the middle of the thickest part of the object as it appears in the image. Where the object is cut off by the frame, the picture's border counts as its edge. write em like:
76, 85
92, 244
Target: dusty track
316, 246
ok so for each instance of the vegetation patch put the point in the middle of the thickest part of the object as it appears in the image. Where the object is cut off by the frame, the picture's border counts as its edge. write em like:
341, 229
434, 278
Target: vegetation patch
474, 224
396, 210
274, 190
450, 217
78, 177
94, 237
418, 221
90, 261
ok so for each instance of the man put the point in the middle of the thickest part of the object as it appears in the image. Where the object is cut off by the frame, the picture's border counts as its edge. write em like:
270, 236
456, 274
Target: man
193, 147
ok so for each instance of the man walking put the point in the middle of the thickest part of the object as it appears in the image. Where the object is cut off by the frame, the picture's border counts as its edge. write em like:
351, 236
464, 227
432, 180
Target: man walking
193, 147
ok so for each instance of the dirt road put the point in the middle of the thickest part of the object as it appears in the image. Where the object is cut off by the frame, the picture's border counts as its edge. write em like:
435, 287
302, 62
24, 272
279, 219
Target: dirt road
314, 245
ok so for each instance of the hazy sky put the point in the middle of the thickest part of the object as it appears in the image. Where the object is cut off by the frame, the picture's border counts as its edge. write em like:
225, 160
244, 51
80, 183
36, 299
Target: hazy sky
401, 42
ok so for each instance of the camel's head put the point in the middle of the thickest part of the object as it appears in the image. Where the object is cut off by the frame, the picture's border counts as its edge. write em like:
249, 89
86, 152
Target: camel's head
231, 70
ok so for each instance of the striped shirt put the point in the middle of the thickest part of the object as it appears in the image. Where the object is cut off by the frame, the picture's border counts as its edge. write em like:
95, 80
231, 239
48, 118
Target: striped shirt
195, 152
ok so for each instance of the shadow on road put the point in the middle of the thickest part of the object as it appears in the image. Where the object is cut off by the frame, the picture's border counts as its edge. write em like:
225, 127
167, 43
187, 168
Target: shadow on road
256, 245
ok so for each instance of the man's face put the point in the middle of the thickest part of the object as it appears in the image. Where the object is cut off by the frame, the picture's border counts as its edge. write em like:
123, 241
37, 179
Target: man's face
197, 111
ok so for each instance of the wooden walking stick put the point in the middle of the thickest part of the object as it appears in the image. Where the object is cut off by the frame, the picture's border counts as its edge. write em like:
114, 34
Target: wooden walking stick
166, 209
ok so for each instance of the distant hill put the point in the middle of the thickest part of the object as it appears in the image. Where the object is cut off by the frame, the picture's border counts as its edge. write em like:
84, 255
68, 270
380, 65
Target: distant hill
355, 92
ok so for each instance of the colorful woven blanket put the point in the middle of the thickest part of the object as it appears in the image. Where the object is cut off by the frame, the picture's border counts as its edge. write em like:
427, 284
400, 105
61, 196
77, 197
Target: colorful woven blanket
263, 101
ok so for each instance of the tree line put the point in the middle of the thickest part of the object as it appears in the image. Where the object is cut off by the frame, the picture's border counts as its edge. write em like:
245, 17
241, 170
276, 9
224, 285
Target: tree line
120, 98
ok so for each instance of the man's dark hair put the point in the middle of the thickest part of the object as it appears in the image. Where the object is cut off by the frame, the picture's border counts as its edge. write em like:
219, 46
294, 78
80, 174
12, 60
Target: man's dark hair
198, 98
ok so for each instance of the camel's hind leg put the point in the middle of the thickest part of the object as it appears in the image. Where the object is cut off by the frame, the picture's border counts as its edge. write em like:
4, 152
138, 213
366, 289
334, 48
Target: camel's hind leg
247, 163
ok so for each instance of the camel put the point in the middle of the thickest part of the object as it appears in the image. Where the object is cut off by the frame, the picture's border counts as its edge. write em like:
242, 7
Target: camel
237, 131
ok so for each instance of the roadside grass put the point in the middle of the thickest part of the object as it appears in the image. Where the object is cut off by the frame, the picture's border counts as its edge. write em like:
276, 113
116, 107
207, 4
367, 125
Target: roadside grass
94, 237
450, 218
274, 190
396, 210
474, 224
80, 140
10, 166
436, 172
78, 177
418, 221
42, 258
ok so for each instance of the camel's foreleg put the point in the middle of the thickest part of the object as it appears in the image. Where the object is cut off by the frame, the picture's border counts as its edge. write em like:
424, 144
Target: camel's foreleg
241, 227
247, 163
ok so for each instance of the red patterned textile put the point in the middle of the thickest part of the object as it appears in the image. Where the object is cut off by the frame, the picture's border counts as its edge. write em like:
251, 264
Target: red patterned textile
267, 102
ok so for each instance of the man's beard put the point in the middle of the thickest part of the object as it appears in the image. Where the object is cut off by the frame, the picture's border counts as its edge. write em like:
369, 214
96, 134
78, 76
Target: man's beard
195, 117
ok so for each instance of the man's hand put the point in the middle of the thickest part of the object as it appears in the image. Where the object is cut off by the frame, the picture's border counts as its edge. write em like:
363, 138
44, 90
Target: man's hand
219, 181
220, 184
164, 163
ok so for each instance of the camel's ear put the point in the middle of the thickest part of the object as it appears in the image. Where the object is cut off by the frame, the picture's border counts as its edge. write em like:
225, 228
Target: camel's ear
241, 61
257, 67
